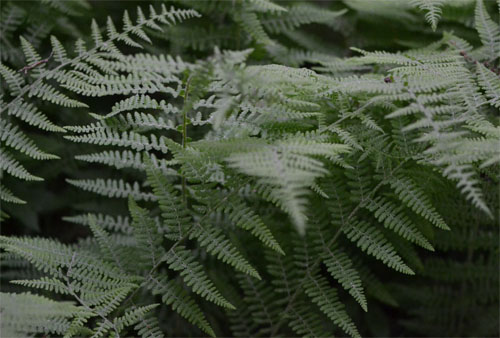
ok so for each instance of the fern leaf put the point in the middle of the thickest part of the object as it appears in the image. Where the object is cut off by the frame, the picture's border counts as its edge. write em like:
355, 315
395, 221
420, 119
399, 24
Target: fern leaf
414, 197
7, 196
216, 244
325, 297
146, 234
489, 32
26, 314
30, 114
369, 239
12, 137
58, 49
247, 219
299, 15
179, 300
393, 218
13, 79
174, 213
127, 159
149, 327
112, 188
125, 139
118, 223
133, 316
180, 259
490, 82
340, 267
266, 6
45, 283
14, 168
432, 8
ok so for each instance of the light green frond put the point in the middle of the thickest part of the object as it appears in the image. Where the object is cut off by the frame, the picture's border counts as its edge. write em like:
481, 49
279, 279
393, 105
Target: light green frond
490, 82
13, 79
370, 240
108, 222
26, 314
133, 316
341, 268
266, 6
112, 188
290, 169
127, 159
30, 114
299, 15
180, 259
393, 217
217, 245
45, 283
14, 168
432, 8
58, 49
49, 93
146, 233
141, 102
323, 295
7, 196
12, 137
125, 139
179, 300
174, 212
415, 198
489, 31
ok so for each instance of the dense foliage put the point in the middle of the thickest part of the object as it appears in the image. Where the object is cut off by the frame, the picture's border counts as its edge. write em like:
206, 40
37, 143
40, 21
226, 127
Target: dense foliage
250, 168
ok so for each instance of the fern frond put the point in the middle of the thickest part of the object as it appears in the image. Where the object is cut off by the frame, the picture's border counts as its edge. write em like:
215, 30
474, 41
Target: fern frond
174, 213
112, 188
127, 159
13, 79
369, 239
125, 139
490, 82
133, 316
489, 32
180, 259
146, 235
247, 219
7, 196
118, 223
141, 102
325, 297
12, 137
30, 114
14, 168
299, 15
266, 6
289, 168
26, 314
394, 218
216, 244
432, 8
179, 300
340, 267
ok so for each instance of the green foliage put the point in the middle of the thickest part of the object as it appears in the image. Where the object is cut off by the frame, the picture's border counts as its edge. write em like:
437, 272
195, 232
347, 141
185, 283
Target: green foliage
238, 168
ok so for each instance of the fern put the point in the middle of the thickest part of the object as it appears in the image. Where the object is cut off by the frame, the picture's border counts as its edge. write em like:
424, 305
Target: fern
245, 173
